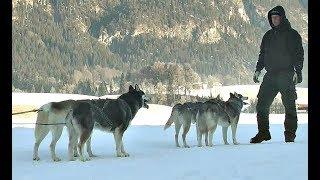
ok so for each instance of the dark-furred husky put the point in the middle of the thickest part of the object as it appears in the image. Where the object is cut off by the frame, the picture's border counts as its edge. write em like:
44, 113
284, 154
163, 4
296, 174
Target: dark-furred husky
115, 116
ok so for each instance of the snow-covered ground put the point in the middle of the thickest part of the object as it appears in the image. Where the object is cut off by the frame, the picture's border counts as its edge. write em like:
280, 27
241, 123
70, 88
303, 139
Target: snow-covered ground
153, 154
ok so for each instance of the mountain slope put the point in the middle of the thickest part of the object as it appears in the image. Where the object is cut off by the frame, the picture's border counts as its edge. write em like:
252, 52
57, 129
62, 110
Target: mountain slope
55, 42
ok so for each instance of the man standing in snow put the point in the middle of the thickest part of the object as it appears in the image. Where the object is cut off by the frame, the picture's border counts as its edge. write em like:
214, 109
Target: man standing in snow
281, 54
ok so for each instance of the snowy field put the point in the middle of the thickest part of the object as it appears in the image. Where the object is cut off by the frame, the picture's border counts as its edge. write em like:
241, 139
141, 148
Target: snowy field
153, 154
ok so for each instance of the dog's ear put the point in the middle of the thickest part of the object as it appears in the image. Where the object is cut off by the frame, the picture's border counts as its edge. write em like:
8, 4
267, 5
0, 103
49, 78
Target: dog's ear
137, 87
218, 96
232, 95
130, 88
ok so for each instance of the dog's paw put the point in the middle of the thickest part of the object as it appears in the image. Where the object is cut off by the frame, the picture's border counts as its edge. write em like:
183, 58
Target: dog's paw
126, 154
84, 159
92, 155
187, 146
236, 143
210, 145
121, 155
56, 159
199, 145
226, 143
36, 158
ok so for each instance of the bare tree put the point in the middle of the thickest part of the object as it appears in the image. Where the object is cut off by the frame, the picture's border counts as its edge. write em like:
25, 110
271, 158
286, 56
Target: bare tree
190, 77
160, 90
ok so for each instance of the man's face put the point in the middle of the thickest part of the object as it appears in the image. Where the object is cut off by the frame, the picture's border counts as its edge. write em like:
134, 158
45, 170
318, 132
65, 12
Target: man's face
276, 19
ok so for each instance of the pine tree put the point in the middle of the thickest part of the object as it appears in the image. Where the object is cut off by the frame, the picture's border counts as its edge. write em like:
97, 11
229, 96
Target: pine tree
84, 87
33, 89
52, 90
102, 90
111, 86
122, 84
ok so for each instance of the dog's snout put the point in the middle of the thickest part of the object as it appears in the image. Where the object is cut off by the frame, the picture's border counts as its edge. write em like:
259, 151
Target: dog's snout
146, 98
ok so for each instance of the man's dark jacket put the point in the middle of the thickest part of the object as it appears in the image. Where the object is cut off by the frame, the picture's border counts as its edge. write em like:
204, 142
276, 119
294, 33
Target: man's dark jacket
281, 47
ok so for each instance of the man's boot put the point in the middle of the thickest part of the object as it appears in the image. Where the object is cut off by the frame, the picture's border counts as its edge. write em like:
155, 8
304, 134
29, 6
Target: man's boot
289, 136
290, 125
264, 133
261, 136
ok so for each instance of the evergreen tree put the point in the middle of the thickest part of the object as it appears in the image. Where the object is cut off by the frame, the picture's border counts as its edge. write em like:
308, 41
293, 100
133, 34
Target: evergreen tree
33, 89
84, 87
112, 86
52, 90
122, 84
102, 90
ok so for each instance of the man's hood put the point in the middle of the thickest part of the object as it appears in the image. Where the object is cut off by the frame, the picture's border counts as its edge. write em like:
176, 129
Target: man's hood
280, 11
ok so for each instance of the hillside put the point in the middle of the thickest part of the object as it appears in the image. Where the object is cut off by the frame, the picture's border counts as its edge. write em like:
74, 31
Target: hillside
59, 46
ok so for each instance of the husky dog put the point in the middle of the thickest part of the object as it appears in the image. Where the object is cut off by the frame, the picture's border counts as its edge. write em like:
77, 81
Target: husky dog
214, 112
51, 117
185, 114
181, 114
115, 116
194, 106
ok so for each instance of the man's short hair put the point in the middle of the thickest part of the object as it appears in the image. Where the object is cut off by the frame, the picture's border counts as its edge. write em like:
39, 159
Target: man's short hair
275, 12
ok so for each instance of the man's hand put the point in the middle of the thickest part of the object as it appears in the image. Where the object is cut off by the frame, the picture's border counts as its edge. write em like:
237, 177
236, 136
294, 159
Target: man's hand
256, 76
297, 77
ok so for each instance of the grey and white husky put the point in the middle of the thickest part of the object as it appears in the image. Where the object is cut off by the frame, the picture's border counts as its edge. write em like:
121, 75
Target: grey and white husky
224, 113
184, 115
115, 117
181, 115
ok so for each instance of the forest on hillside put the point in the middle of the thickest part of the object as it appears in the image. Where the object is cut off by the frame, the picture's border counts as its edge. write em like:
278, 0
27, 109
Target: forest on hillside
99, 47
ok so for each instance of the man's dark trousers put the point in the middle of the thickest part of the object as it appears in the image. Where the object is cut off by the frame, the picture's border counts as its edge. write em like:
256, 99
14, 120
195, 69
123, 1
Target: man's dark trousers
272, 84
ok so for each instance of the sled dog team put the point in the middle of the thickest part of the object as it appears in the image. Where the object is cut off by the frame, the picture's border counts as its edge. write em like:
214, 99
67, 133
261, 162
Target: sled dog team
114, 116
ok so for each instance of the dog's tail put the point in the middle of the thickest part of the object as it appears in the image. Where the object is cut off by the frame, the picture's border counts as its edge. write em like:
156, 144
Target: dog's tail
174, 114
198, 115
169, 122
